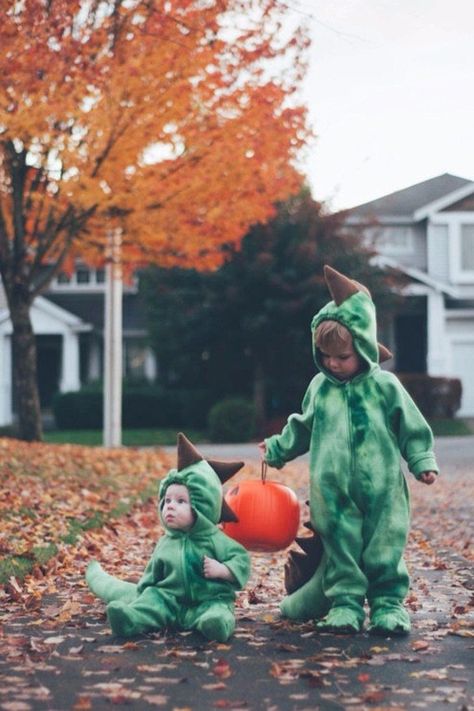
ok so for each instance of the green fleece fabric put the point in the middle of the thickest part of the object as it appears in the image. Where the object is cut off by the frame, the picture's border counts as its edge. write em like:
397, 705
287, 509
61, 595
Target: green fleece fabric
173, 591
355, 432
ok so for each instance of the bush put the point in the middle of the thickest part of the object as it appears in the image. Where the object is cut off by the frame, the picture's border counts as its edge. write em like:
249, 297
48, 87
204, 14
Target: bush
232, 420
81, 410
436, 397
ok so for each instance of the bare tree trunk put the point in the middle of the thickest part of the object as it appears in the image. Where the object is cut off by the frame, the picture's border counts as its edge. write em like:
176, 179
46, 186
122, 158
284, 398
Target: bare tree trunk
259, 397
24, 372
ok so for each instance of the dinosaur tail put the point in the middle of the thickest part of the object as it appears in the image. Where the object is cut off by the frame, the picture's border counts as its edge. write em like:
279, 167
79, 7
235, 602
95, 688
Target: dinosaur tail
108, 588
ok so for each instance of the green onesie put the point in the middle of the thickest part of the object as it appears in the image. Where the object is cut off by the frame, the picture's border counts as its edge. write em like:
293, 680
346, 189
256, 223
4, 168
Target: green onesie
173, 591
355, 432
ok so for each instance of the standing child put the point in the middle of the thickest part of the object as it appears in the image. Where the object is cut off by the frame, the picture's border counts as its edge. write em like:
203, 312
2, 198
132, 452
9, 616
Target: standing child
356, 421
195, 570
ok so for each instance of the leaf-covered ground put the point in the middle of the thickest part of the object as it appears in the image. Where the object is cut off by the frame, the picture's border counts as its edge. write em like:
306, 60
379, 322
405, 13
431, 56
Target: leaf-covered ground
56, 650
49, 494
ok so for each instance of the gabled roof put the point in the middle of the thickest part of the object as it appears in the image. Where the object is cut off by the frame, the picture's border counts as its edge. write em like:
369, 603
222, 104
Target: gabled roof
53, 312
413, 203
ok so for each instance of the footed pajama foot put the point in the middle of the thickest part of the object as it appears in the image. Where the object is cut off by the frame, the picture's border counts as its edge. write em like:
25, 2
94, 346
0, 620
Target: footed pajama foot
216, 624
390, 621
340, 620
122, 625
217, 629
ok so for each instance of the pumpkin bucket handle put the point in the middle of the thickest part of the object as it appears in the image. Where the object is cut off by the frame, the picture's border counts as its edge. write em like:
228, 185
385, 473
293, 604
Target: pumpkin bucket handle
264, 470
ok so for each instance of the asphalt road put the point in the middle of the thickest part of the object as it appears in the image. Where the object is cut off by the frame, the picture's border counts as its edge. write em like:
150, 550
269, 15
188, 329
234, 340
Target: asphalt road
452, 452
61, 655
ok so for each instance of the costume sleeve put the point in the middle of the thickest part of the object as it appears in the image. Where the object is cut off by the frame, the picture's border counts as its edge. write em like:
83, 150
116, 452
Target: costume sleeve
414, 435
295, 437
235, 557
153, 571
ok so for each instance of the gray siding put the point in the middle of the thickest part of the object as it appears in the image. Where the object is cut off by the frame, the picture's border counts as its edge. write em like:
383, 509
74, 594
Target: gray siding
387, 242
438, 250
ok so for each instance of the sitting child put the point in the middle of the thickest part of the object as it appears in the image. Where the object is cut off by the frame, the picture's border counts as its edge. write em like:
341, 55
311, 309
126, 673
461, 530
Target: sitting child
195, 570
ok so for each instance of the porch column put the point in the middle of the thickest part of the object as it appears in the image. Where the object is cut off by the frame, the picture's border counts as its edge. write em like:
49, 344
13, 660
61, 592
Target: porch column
70, 375
436, 360
6, 414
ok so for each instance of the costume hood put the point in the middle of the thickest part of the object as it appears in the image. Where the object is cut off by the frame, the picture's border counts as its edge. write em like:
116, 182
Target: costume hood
203, 479
352, 306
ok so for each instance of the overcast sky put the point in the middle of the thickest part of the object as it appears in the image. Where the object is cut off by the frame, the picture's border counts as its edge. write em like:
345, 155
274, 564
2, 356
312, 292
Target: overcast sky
391, 94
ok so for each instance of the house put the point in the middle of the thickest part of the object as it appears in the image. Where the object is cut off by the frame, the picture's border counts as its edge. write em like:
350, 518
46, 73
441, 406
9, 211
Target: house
68, 322
427, 232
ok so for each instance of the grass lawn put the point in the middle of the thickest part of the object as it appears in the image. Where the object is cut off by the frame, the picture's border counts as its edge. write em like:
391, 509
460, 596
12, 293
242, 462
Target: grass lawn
130, 438
154, 438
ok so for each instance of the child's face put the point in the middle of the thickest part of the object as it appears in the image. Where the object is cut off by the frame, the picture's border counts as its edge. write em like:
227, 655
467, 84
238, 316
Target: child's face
343, 362
177, 512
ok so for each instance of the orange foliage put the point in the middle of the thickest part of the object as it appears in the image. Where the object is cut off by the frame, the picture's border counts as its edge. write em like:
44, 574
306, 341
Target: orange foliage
43, 488
175, 120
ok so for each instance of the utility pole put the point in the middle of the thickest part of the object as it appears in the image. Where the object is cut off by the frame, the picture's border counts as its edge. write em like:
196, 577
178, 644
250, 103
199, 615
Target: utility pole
112, 428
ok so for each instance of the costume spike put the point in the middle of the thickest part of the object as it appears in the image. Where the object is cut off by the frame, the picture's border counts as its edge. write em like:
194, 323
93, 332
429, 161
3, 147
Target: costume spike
227, 515
299, 567
340, 287
187, 452
384, 353
225, 470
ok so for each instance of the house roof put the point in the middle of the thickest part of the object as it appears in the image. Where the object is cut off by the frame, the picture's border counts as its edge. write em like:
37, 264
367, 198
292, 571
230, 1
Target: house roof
90, 308
405, 203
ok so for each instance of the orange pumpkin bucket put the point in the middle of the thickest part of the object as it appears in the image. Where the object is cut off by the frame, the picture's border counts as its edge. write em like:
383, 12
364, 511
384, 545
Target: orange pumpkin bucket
268, 513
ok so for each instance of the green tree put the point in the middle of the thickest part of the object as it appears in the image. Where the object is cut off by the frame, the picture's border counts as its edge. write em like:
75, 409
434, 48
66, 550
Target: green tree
244, 329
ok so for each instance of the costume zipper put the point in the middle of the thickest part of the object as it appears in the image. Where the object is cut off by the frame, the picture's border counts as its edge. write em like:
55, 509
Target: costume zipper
349, 427
185, 573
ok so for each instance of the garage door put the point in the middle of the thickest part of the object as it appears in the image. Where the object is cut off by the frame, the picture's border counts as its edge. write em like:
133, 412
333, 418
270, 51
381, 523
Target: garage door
463, 367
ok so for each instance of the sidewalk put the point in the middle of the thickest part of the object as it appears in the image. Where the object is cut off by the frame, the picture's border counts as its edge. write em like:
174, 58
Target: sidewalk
57, 653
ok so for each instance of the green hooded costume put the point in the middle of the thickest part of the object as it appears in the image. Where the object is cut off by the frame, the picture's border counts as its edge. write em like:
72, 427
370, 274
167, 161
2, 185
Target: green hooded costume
173, 591
355, 432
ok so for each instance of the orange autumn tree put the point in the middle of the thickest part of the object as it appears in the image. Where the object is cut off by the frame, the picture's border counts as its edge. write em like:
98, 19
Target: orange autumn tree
172, 121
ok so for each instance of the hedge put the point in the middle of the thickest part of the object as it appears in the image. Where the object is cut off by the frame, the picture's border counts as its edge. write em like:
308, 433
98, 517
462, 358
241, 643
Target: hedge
150, 407
232, 420
435, 396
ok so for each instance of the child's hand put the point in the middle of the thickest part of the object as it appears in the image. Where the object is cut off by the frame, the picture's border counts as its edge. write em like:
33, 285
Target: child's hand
428, 477
263, 447
213, 569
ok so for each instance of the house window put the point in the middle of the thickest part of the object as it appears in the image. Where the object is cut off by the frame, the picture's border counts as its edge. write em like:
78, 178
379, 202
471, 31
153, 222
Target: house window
396, 239
467, 248
83, 276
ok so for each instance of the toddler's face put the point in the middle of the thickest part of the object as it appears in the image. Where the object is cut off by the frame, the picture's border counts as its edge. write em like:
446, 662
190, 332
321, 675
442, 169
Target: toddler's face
177, 512
343, 363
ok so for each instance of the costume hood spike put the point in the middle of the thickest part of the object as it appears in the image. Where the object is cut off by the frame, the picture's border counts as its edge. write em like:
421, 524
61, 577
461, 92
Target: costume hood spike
340, 287
225, 470
384, 353
187, 453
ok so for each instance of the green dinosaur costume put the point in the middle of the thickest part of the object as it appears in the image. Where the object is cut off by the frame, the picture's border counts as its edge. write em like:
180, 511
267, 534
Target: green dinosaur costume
173, 591
355, 432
